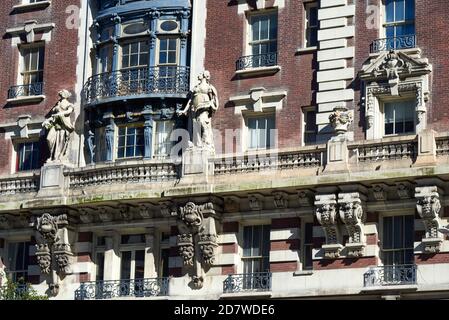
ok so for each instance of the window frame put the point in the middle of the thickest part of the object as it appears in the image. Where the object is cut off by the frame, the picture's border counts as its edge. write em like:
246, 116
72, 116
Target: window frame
395, 23
263, 242
26, 258
306, 110
155, 138
133, 248
17, 148
158, 50
23, 50
249, 27
117, 140
382, 108
304, 244
260, 115
128, 41
307, 27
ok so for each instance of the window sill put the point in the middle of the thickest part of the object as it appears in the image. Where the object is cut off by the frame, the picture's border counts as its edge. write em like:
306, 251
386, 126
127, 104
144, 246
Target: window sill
249, 294
27, 99
306, 50
302, 273
258, 71
401, 287
31, 6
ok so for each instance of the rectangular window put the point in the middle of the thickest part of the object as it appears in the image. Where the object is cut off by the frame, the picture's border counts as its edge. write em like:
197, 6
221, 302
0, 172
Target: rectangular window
399, 117
263, 39
105, 59
163, 269
162, 143
311, 24
168, 61
32, 64
135, 54
310, 127
399, 20
28, 156
261, 132
100, 266
256, 249
132, 265
308, 246
18, 258
130, 142
398, 236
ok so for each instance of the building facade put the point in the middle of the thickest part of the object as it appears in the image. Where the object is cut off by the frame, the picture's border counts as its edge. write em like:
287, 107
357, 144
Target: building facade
225, 149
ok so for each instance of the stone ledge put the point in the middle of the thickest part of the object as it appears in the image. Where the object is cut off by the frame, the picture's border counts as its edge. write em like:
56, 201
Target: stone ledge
28, 99
258, 71
30, 6
255, 295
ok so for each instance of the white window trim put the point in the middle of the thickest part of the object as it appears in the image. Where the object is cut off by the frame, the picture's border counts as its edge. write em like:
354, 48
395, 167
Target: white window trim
154, 138
303, 123
245, 135
307, 5
178, 51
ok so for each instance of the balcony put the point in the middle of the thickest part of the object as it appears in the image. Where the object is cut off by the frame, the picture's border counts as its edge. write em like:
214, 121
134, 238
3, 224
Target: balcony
390, 276
258, 64
144, 82
395, 43
110, 289
26, 93
247, 282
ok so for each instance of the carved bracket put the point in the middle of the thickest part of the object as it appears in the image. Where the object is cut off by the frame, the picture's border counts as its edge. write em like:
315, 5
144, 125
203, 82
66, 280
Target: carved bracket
428, 206
353, 216
326, 213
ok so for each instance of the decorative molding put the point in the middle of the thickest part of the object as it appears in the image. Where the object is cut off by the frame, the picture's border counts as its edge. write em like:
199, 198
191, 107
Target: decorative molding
257, 100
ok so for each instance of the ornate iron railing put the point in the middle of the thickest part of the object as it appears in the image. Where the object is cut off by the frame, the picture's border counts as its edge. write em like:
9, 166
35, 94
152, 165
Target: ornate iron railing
259, 281
123, 173
109, 289
257, 61
394, 43
14, 185
26, 90
135, 82
390, 275
266, 160
387, 151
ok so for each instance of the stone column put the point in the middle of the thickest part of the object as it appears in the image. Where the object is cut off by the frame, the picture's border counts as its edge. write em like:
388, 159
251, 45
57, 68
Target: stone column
111, 257
115, 57
151, 253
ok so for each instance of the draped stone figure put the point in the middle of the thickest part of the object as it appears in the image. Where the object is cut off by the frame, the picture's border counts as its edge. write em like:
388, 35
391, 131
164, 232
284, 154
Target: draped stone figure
59, 127
201, 107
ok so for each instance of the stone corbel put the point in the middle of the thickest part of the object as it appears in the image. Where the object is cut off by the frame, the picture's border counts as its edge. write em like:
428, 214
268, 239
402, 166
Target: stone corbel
5, 222
125, 212
380, 191
105, 214
404, 190
304, 197
232, 204
85, 215
326, 213
255, 201
428, 206
197, 240
353, 216
145, 211
280, 199
53, 250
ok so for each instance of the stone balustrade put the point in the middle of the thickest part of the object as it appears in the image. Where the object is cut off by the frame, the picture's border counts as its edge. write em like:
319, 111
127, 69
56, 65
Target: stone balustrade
19, 183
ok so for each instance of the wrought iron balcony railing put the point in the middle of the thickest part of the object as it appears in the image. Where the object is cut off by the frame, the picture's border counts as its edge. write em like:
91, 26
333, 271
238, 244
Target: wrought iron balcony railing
109, 289
137, 82
390, 275
26, 90
259, 281
394, 43
257, 61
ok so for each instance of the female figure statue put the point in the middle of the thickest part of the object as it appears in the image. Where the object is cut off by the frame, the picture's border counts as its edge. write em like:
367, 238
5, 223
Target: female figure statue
59, 127
202, 105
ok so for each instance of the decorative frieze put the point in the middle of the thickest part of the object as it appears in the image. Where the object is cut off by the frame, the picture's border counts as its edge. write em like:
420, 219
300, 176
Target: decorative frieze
428, 206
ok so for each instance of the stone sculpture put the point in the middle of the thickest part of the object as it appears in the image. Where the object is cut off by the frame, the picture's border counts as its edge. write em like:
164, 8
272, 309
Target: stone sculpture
200, 108
59, 127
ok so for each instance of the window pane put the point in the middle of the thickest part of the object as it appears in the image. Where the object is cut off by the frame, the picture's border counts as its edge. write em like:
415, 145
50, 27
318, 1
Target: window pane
100, 266
389, 8
256, 243
388, 233
410, 9
247, 241
255, 27
400, 12
139, 264
409, 231
273, 27
125, 268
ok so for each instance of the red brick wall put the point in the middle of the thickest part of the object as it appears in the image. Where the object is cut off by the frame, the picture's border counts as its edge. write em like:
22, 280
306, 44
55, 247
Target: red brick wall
224, 45
432, 258
59, 65
345, 263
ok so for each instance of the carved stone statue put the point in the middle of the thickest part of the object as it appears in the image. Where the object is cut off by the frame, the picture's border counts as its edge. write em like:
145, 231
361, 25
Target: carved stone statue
340, 119
59, 127
201, 106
